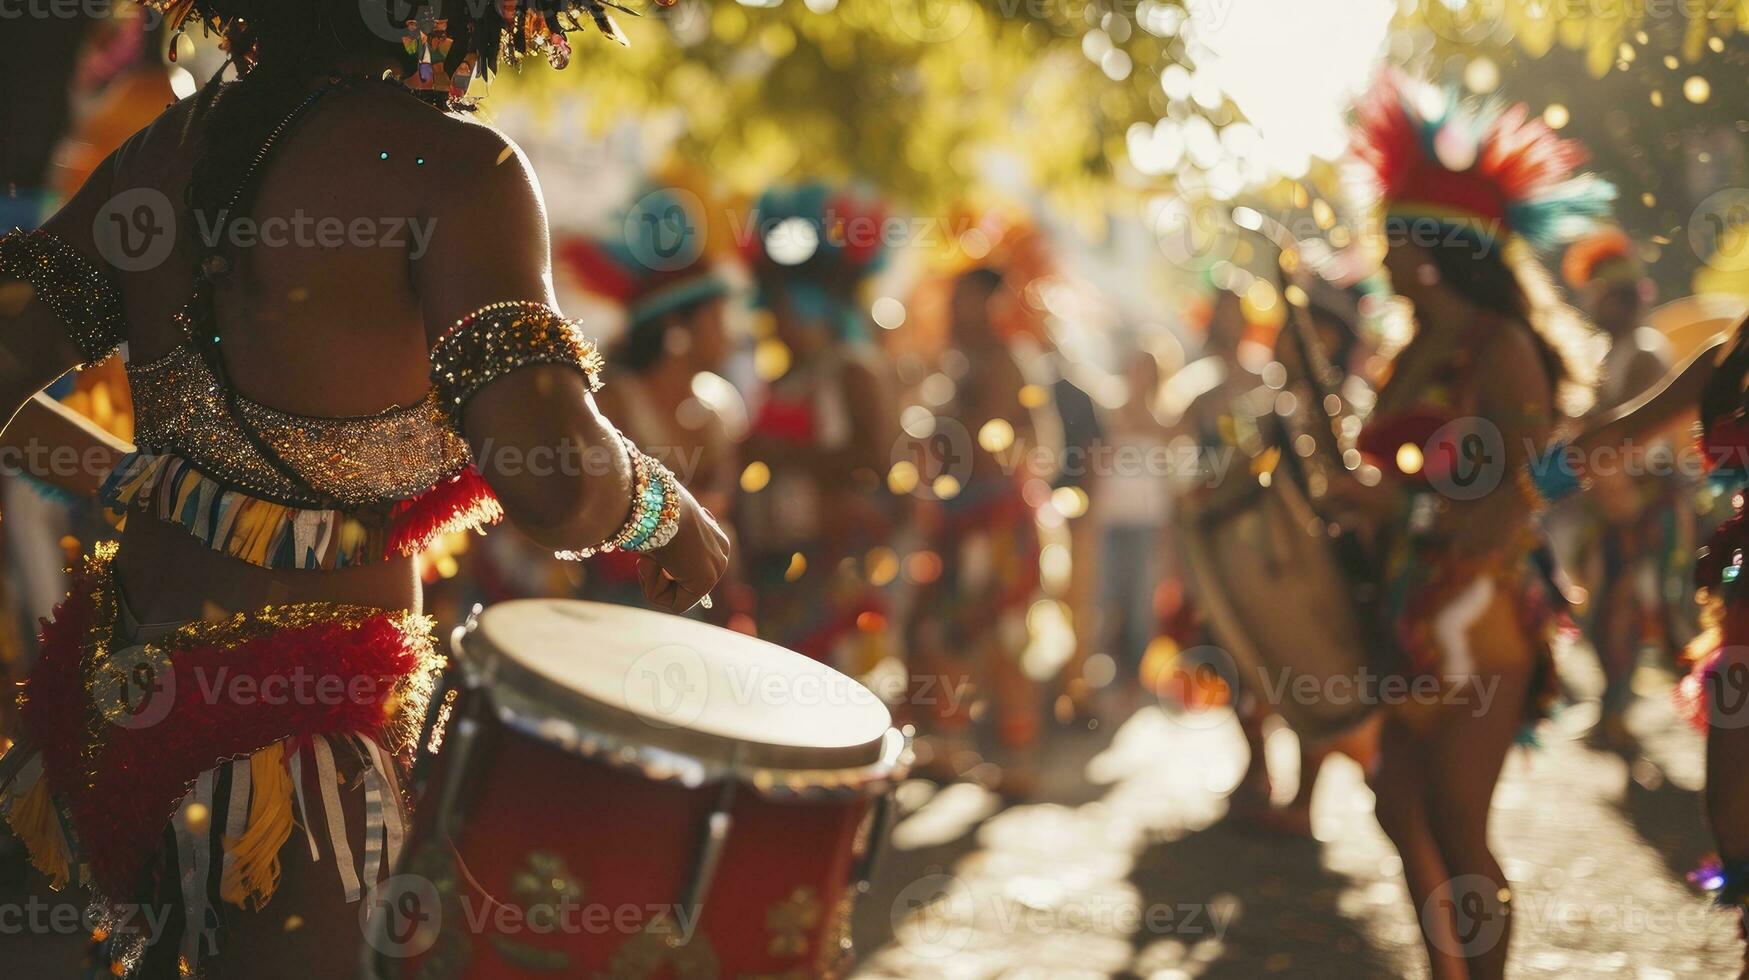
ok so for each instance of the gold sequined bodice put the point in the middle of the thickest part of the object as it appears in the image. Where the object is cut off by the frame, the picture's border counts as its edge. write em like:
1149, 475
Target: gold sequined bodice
361, 460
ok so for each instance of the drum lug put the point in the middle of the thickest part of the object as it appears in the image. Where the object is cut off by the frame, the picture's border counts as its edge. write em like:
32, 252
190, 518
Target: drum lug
863, 873
709, 852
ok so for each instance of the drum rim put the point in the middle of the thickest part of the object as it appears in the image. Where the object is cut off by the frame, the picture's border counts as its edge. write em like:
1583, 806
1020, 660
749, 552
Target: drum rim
574, 722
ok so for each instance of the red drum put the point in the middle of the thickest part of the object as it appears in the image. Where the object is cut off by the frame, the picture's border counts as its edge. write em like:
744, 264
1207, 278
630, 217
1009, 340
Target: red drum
615, 792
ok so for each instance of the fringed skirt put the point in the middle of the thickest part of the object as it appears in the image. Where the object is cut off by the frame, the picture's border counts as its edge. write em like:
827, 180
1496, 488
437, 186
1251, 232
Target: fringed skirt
168, 767
1434, 605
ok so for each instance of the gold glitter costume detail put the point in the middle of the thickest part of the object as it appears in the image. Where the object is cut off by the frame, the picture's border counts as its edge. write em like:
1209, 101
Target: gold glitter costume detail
72, 286
361, 460
495, 340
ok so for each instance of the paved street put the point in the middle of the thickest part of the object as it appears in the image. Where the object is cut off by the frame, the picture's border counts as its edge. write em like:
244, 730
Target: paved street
1124, 866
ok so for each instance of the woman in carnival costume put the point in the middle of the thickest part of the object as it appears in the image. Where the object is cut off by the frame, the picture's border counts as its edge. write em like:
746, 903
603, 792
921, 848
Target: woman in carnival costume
824, 432
968, 626
1468, 193
1632, 526
1711, 386
307, 420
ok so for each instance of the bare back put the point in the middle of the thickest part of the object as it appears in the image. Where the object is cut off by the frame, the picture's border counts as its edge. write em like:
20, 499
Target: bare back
320, 317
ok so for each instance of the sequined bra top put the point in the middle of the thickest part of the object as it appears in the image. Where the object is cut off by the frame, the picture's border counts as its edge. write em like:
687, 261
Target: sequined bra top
293, 491
355, 461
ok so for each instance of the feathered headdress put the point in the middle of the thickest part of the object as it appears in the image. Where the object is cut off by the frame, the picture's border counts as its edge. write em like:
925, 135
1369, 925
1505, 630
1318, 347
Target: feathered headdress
461, 38
660, 261
820, 241
1487, 169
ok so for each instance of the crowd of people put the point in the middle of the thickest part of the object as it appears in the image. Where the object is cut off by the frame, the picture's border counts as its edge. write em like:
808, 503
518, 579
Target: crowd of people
886, 491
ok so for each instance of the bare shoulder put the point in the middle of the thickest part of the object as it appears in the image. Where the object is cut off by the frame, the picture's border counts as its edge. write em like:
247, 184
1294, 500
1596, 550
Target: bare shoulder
474, 152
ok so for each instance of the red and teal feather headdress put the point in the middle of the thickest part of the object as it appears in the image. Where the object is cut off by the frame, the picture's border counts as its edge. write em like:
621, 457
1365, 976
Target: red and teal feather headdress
660, 263
1486, 168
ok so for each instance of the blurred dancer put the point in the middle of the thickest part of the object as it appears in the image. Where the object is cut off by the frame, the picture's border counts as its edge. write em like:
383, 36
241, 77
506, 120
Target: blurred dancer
823, 437
1714, 694
1632, 518
969, 622
1467, 402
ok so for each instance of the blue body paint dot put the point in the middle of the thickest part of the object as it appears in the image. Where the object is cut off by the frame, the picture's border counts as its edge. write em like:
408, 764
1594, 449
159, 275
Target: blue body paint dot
419, 161
383, 155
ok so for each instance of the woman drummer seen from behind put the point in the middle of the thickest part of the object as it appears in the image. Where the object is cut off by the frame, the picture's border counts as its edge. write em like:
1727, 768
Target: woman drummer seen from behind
1467, 192
309, 417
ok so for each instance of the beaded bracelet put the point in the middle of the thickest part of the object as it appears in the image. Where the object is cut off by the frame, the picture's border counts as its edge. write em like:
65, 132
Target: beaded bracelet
655, 517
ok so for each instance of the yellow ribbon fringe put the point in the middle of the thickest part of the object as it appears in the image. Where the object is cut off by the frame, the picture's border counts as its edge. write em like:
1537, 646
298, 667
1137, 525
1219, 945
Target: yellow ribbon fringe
34, 820
249, 881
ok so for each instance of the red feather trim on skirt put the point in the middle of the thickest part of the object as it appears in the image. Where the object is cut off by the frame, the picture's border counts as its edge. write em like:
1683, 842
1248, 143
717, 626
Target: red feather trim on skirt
208, 692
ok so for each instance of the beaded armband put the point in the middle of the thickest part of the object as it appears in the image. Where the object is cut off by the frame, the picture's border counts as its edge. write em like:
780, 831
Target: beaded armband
655, 517
72, 286
495, 340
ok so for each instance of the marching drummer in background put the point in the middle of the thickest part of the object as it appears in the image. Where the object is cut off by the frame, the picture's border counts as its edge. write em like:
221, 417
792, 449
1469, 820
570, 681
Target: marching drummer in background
1631, 522
815, 513
1333, 313
670, 276
1202, 401
969, 619
1467, 191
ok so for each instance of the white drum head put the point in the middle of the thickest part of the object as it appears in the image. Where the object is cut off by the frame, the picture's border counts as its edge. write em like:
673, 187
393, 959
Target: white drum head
637, 679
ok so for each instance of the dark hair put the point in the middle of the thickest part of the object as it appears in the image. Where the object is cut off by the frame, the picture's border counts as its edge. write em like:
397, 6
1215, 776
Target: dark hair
1484, 277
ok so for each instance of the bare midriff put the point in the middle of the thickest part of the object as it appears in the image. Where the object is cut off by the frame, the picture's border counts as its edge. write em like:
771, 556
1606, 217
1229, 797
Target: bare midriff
169, 576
